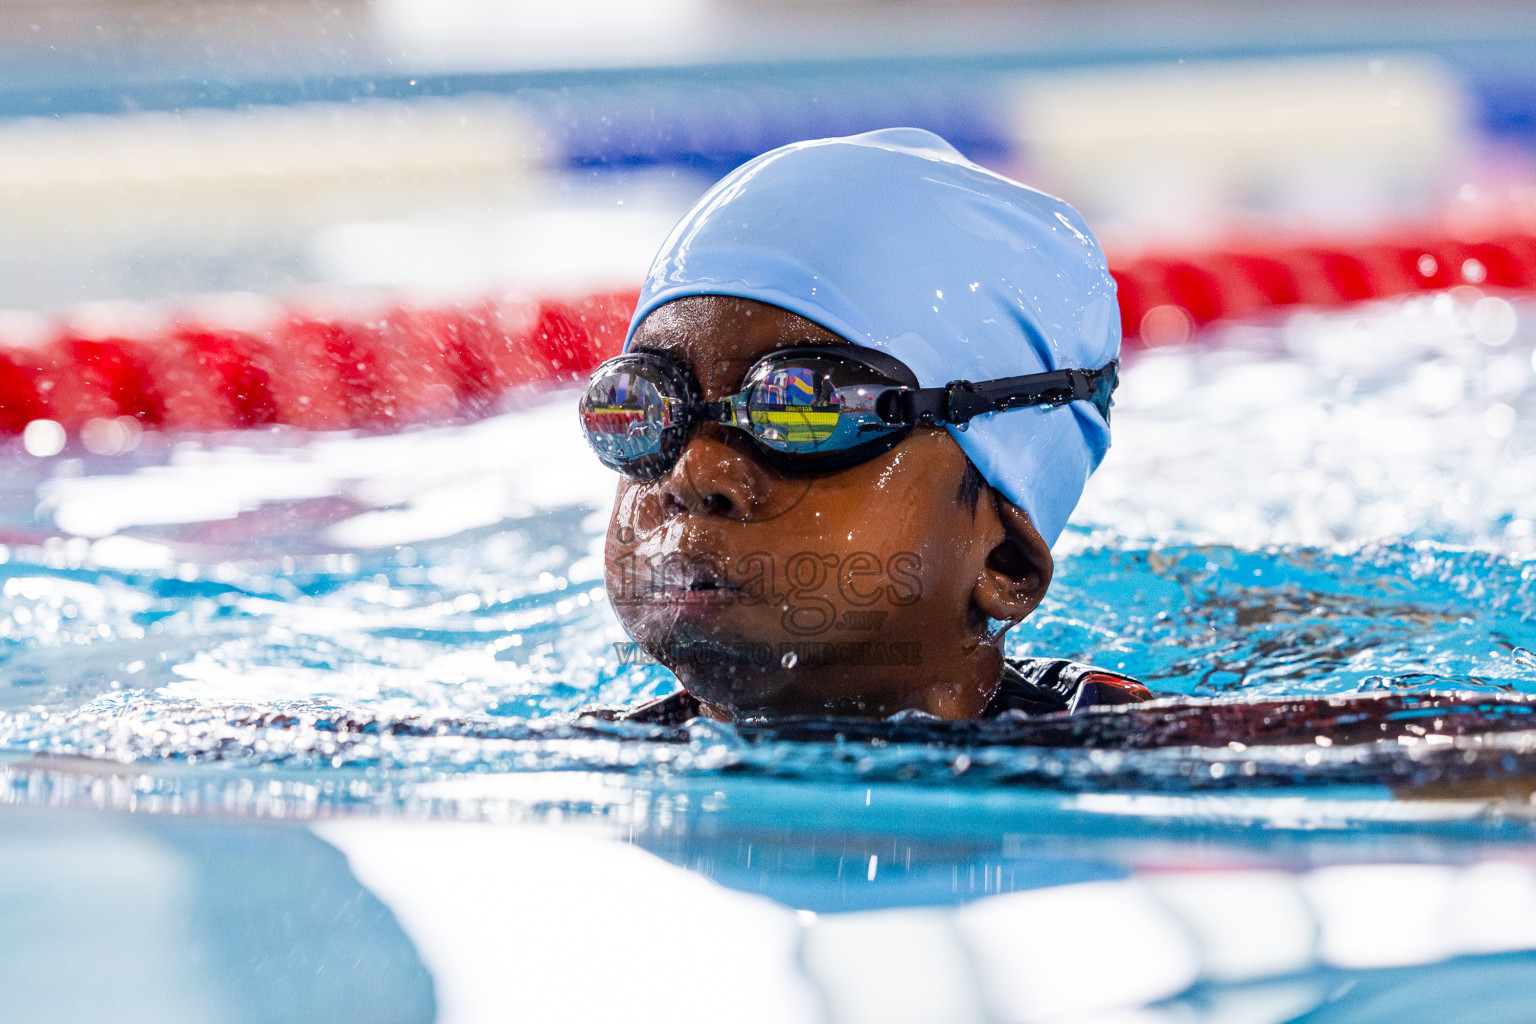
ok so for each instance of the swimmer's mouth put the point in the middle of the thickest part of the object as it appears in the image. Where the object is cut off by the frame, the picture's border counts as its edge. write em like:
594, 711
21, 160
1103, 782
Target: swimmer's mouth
711, 589
702, 587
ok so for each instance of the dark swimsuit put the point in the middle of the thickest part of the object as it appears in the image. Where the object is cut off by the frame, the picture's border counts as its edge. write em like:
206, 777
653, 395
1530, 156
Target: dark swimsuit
1030, 686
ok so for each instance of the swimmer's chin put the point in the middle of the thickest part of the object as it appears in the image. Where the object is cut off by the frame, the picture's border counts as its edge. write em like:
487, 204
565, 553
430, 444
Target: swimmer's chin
740, 679
720, 668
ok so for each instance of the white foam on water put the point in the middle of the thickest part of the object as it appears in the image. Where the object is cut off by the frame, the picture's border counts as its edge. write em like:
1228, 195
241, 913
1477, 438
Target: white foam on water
1413, 418
416, 485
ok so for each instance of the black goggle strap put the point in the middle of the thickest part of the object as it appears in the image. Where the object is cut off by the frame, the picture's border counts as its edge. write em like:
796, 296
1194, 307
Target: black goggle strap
962, 401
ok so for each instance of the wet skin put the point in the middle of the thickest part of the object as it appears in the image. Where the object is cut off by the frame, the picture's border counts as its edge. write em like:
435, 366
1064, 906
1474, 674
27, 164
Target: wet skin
865, 591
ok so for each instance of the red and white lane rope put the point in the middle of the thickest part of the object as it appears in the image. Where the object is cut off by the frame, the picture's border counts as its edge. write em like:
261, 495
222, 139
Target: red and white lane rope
404, 364
393, 367
1233, 282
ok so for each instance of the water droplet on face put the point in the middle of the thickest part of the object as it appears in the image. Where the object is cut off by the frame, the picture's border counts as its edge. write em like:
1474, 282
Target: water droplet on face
790, 659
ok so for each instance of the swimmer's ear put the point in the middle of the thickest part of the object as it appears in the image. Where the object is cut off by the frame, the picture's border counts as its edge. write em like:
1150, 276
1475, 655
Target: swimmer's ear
1018, 569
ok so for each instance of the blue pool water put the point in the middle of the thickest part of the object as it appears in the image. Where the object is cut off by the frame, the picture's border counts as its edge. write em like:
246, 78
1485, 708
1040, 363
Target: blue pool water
284, 625
261, 642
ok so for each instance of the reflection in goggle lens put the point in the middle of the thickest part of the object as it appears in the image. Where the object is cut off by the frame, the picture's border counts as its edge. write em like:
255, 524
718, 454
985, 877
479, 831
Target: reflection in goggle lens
819, 406
805, 411
794, 408
625, 414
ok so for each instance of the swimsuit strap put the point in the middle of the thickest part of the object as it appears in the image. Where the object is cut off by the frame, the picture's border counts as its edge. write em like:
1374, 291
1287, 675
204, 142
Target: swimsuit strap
1039, 686
673, 709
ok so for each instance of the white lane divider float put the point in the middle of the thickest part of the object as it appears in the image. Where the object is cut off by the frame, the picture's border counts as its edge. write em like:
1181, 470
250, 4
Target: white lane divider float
556, 924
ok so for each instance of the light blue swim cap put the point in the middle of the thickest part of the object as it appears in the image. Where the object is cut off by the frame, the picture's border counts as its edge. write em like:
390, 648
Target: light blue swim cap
895, 241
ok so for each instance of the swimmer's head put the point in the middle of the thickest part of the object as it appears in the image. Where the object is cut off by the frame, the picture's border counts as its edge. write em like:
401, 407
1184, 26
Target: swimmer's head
773, 585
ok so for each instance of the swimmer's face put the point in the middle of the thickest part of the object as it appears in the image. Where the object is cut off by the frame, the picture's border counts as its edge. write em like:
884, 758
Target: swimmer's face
864, 591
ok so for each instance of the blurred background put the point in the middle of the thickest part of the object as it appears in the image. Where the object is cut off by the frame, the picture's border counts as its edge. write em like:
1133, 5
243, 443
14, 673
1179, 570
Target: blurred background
151, 150
224, 629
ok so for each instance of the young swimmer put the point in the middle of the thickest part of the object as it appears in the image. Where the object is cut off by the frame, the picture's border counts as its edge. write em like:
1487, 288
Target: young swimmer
862, 392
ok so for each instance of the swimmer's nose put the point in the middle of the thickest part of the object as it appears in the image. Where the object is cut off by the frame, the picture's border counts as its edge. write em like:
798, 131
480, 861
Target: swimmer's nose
712, 478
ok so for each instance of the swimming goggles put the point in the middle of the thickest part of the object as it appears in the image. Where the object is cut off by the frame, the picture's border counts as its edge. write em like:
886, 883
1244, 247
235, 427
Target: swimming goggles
808, 409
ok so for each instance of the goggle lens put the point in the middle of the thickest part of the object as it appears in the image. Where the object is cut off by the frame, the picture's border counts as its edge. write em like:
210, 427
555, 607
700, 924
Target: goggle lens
816, 406
794, 408
632, 416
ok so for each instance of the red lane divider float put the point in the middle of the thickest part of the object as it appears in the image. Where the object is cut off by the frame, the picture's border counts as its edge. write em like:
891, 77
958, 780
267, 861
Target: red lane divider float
1163, 298
406, 365
378, 372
